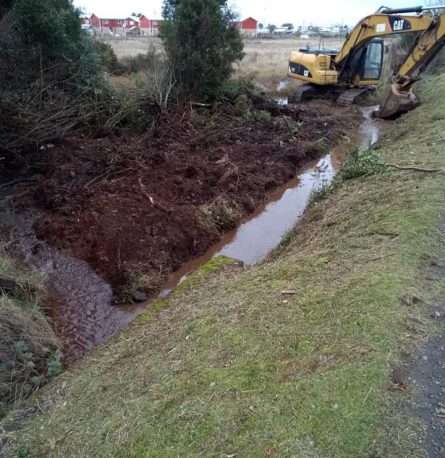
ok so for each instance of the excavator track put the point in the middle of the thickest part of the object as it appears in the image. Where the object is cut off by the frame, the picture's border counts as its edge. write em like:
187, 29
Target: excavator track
312, 91
350, 96
303, 93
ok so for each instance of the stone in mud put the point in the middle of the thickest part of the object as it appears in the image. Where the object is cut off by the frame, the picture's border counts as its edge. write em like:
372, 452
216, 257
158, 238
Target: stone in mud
139, 296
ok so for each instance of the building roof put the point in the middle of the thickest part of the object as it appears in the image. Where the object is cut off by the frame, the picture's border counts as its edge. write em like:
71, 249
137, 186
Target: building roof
121, 17
245, 20
112, 12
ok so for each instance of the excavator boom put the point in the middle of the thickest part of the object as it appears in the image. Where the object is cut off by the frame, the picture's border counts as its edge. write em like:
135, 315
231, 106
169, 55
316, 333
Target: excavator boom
347, 74
379, 25
400, 96
359, 61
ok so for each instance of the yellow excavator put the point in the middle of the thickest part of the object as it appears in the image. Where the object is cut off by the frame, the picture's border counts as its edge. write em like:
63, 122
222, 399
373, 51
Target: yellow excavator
347, 74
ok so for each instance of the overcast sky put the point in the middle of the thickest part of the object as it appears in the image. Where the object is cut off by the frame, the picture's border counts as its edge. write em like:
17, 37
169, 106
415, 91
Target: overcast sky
275, 11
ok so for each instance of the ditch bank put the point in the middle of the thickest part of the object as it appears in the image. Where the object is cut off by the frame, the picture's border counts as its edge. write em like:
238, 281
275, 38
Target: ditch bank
290, 355
135, 208
113, 217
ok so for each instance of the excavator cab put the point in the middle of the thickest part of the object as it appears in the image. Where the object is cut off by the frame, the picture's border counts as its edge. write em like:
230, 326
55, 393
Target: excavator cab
373, 62
366, 64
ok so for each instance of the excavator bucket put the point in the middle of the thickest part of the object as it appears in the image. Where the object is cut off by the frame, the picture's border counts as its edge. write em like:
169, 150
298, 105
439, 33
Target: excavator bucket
397, 101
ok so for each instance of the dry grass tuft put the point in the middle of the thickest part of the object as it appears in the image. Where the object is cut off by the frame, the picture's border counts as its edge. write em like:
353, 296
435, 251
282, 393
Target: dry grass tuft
220, 215
28, 347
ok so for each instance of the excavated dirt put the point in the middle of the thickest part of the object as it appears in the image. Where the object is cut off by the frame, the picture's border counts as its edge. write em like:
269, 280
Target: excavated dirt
135, 207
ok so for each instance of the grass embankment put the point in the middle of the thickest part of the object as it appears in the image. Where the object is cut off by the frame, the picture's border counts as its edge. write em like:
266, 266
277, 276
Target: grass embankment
28, 347
234, 366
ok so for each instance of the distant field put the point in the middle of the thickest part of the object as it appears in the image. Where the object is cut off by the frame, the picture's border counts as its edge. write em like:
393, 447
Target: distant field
265, 60
132, 46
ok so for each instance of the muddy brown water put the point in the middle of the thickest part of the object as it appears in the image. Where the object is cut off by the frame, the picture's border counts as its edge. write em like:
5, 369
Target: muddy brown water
83, 314
264, 229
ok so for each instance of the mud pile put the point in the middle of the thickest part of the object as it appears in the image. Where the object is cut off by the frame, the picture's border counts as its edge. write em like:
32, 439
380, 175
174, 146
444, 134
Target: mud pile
135, 207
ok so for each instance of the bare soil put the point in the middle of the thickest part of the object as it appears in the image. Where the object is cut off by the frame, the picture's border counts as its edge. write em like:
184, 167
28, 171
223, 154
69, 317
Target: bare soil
129, 205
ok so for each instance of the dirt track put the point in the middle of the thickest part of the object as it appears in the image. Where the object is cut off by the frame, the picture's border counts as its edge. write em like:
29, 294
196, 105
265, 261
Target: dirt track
136, 207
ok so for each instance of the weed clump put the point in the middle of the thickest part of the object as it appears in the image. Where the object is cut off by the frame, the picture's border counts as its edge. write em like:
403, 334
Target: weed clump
246, 111
109, 60
29, 350
357, 163
218, 216
139, 286
321, 145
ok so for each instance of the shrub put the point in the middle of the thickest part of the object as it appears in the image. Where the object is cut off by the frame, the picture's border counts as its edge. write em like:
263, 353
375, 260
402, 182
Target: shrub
140, 62
51, 77
108, 58
201, 45
233, 88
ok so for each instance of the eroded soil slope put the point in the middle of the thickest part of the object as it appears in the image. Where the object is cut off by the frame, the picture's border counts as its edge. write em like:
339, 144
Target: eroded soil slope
135, 207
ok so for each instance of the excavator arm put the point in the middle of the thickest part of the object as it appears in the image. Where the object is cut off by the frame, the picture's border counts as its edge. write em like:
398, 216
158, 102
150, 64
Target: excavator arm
429, 44
348, 74
399, 96
362, 48
379, 25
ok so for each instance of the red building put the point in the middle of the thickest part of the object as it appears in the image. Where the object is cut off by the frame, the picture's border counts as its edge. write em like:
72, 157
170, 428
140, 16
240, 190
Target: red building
248, 26
114, 25
149, 26
125, 25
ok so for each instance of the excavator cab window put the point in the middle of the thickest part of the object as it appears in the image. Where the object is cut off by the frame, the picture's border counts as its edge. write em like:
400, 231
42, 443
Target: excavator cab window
372, 68
365, 64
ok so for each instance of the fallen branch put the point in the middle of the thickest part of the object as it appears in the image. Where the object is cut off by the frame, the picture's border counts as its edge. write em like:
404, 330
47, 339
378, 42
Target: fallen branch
411, 167
378, 258
18, 180
198, 104
288, 126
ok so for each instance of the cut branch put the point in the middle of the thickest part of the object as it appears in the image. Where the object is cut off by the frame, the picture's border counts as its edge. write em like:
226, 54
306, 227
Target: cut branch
412, 167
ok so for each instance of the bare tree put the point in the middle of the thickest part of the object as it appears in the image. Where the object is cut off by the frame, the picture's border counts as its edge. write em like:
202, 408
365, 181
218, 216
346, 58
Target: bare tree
160, 83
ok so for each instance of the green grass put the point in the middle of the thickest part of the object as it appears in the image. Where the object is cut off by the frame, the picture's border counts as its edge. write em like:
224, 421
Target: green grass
231, 366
